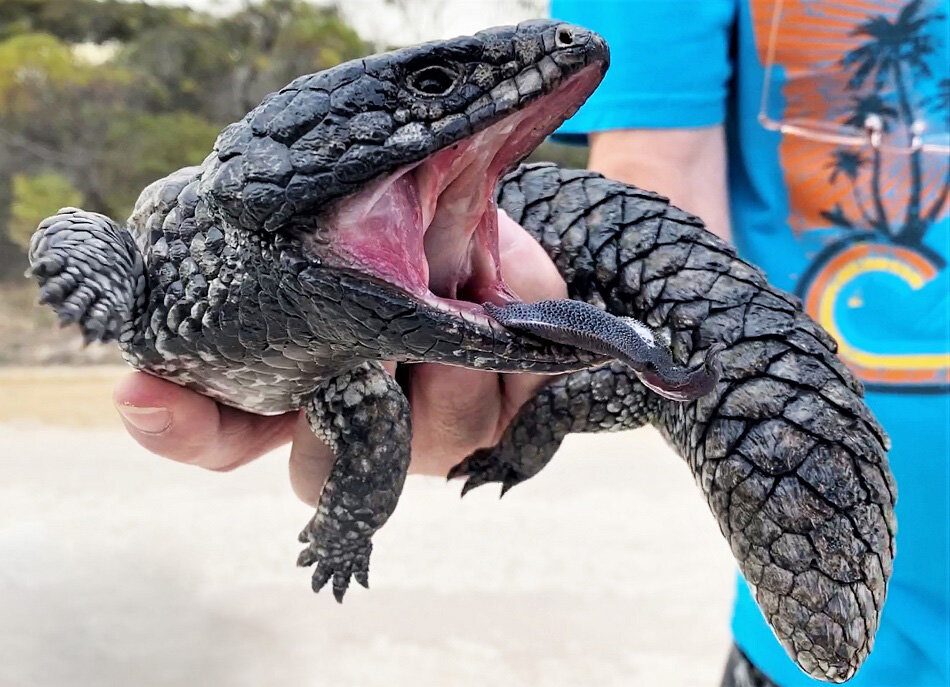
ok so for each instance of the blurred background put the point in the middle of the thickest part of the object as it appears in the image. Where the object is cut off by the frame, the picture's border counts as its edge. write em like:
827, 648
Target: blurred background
99, 99
119, 568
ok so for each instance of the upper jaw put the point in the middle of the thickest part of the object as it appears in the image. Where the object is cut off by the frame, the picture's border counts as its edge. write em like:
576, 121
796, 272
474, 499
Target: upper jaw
325, 137
430, 229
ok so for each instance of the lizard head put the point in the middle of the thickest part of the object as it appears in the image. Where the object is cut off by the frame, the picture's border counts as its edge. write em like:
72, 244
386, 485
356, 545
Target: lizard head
387, 165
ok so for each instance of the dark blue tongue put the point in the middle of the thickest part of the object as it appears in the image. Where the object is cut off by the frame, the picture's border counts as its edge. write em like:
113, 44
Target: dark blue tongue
584, 326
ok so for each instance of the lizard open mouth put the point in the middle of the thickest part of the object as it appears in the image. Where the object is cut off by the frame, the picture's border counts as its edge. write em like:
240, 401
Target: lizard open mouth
431, 228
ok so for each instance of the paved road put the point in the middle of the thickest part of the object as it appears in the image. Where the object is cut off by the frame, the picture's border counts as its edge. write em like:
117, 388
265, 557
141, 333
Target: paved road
117, 568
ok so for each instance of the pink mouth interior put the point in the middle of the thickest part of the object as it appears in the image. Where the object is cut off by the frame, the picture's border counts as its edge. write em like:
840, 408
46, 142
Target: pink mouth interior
432, 228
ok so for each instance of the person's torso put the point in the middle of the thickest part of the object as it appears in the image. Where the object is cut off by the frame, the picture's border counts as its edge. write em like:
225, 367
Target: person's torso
859, 230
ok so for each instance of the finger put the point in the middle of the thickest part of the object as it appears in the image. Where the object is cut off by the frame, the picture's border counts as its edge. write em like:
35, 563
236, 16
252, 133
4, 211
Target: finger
532, 276
454, 411
182, 425
310, 463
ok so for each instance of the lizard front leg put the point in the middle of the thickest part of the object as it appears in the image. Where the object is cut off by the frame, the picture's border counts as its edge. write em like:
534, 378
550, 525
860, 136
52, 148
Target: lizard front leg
607, 399
363, 416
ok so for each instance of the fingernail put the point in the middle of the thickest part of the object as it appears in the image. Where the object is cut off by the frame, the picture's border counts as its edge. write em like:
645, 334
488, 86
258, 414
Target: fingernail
148, 420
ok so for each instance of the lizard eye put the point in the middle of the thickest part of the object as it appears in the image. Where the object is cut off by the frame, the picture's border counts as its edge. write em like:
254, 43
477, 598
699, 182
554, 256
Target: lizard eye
433, 79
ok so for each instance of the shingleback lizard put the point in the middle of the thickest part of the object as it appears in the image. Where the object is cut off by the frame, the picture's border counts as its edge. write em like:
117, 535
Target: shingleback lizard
351, 219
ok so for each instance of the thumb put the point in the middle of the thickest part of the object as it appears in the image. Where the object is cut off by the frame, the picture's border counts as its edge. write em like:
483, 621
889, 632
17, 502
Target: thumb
525, 266
532, 276
310, 462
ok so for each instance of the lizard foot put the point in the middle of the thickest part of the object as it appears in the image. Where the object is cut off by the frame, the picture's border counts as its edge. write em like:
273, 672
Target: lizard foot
484, 467
338, 563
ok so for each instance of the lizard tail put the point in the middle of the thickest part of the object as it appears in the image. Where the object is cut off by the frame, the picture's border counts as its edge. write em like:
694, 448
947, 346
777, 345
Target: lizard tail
90, 272
790, 458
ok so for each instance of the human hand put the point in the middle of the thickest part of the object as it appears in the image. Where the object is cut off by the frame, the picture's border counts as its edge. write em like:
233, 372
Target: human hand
454, 410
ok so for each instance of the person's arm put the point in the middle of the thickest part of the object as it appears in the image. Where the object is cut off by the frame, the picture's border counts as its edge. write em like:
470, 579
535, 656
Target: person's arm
656, 119
686, 165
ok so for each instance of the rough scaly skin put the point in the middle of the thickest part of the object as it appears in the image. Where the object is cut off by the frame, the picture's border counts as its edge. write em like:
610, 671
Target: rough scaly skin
235, 287
791, 461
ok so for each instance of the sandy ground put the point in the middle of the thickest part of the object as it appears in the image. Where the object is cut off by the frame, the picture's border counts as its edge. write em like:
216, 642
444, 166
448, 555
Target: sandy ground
117, 568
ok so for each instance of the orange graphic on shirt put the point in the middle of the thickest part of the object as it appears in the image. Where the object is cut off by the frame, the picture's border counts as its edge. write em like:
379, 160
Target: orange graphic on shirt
850, 70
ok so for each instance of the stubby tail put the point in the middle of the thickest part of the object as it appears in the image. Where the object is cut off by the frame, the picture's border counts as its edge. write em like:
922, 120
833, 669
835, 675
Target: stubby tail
90, 272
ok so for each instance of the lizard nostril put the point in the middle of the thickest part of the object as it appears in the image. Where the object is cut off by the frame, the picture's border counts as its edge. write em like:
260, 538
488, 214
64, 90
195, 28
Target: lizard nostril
564, 38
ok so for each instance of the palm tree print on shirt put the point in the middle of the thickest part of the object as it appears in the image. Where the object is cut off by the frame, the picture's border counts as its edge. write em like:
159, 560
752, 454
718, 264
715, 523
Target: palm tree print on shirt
888, 64
870, 220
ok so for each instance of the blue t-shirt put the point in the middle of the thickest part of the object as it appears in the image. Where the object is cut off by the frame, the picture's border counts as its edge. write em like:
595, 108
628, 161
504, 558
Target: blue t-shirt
860, 232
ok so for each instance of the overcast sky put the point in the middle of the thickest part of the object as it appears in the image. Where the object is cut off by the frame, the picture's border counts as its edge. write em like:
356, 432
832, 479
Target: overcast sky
410, 21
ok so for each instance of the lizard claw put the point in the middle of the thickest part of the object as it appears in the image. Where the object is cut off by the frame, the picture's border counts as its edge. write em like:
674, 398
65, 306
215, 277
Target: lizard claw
511, 480
338, 565
483, 468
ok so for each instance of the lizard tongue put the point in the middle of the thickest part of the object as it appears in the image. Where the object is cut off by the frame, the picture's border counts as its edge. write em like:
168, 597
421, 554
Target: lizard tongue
588, 328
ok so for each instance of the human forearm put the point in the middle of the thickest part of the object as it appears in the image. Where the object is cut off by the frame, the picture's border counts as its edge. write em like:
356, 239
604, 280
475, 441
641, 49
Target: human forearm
686, 165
